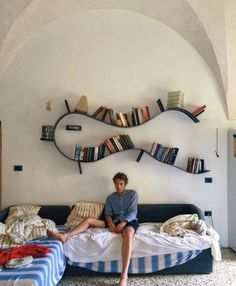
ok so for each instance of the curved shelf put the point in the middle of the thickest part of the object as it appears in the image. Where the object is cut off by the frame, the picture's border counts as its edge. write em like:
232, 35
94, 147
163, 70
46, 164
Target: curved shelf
142, 151
186, 112
190, 115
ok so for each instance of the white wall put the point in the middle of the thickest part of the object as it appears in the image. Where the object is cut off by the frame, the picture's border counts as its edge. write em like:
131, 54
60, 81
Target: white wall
119, 59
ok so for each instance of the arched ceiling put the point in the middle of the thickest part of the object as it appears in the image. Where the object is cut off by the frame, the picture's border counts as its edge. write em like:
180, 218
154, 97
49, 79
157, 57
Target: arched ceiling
202, 23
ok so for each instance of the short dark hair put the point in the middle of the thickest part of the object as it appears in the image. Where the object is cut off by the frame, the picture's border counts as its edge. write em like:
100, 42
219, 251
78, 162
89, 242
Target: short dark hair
120, 176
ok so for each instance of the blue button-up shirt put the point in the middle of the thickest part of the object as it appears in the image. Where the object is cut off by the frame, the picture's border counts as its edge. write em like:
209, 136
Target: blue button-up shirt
122, 207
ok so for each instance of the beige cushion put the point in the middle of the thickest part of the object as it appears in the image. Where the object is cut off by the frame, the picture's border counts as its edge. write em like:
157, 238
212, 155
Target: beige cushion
16, 211
84, 210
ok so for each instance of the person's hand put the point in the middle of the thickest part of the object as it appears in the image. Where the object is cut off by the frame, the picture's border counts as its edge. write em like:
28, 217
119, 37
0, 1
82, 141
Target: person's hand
120, 227
112, 227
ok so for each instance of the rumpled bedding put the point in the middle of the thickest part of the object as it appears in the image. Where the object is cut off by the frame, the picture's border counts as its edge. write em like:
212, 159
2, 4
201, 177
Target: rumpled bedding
23, 228
102, 245
184, 225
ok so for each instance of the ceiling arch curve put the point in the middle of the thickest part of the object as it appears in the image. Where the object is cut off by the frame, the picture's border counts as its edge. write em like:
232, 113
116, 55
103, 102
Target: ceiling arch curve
178, 15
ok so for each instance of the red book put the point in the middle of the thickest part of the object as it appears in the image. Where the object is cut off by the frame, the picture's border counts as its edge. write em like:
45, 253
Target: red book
198, 110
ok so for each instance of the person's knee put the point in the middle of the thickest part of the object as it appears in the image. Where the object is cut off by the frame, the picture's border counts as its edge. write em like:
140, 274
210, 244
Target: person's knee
88, 221
128, 233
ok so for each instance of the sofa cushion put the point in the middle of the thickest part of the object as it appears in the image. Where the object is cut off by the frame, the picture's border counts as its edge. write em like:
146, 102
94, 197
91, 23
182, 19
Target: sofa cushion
16, 211
83, 210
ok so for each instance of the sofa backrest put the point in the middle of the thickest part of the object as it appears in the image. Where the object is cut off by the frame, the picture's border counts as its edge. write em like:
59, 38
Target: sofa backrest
163, 212
146, 212
57, 213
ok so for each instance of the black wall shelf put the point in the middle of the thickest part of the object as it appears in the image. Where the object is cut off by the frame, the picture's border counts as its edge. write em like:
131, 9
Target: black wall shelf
142, 151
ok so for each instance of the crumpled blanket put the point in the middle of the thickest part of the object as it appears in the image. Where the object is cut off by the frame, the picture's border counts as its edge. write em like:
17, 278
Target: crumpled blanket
182, 225
188, 224
27, 227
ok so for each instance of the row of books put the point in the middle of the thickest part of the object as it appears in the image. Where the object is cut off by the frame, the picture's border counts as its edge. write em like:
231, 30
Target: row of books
195, 165
47, 132
163, 153
118, 143
176, 99
136, 117
89, 154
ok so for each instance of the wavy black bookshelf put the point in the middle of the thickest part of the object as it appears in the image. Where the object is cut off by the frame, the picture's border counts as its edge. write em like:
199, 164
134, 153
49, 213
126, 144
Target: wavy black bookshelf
142, 151
186, 112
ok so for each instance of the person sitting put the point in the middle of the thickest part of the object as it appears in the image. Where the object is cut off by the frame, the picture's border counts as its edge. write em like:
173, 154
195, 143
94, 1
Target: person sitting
120, 217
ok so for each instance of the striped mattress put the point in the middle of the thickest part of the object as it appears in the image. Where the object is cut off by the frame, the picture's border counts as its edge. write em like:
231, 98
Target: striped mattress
45, 271
141, 264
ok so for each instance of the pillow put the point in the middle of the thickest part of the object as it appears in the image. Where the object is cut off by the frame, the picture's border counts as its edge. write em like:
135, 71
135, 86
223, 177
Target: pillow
84, 210
16, 211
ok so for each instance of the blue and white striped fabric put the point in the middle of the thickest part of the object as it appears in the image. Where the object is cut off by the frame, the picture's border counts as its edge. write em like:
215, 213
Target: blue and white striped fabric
45, 271
141, 264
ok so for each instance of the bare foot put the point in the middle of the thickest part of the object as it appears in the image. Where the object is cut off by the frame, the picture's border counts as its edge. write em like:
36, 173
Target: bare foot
123, 281
59, 236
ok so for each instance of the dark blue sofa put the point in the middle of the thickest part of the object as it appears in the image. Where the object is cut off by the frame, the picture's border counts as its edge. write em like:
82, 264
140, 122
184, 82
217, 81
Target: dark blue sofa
202, 264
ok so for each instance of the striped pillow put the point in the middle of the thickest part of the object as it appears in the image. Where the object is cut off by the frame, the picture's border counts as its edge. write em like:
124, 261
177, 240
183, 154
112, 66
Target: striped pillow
21, 210
5, 242
84, 210
41, 231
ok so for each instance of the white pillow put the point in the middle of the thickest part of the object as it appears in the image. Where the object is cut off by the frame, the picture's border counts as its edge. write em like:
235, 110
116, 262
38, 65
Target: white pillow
84, 210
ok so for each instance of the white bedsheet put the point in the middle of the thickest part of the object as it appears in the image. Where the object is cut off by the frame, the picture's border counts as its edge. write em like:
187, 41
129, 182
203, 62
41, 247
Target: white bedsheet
102, 245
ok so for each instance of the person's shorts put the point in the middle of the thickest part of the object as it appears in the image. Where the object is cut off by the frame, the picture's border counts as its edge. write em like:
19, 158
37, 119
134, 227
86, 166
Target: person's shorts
133, 223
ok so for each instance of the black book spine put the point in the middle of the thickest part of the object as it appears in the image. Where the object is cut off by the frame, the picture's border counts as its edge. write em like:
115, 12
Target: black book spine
161, 107
139, 156
67, 105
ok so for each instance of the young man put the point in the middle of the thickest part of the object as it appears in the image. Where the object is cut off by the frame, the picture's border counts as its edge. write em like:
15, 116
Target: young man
121, 217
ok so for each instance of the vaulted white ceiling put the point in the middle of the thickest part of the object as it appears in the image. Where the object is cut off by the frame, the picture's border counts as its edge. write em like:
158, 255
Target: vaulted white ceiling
209, 26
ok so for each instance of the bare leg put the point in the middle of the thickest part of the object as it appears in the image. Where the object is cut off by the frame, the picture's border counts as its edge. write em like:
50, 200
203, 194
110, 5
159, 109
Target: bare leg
84, 225
127, 235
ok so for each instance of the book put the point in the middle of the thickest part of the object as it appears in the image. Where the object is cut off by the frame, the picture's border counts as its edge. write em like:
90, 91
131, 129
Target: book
100, 108
173, 105
82, 105
109, 145
101, 115
177, 93
111, 116
129, 119
134, 117
175, 99
160, 105
197, 111
47, 132
160, 152
140, 155
77, 150
122, 118
67, 105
